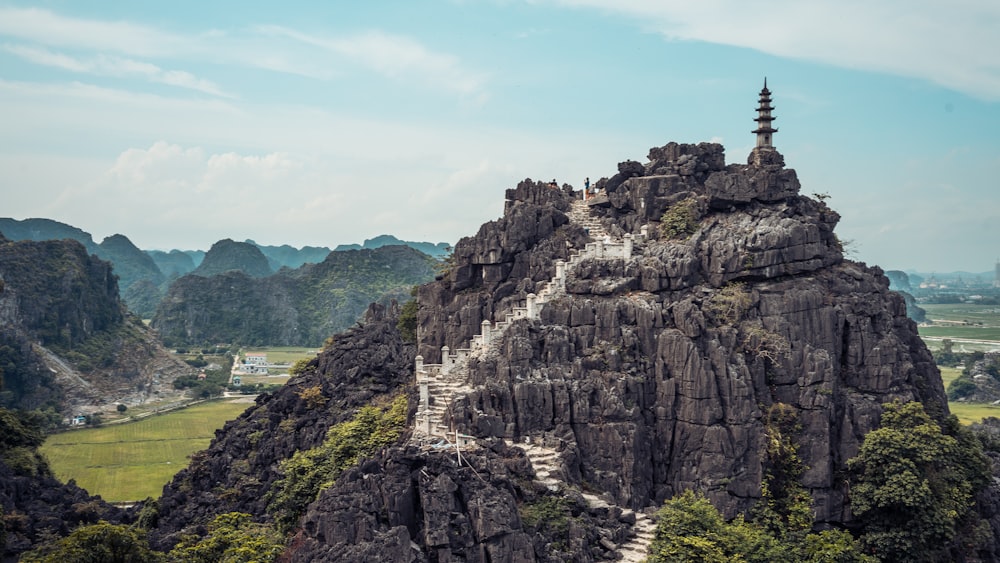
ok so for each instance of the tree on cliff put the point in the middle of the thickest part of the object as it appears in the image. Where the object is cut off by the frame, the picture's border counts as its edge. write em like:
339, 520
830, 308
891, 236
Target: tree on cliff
98, 543
915, 484
691, 530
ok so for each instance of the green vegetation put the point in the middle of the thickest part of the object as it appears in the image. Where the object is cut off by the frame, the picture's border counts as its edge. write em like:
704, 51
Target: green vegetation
969, 413
300, 307
127, 462
549, 515
20, 436
299, 366
215, 383
97, 543
965, 322
690, 529
407, 323
680, 220
728, 303
287, 354
309, 472
232, 537
988, 315
914, 487
99, 350
959, 331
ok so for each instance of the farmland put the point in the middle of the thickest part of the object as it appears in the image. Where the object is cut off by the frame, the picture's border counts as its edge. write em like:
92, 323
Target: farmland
132, 461
971, 328
128, 462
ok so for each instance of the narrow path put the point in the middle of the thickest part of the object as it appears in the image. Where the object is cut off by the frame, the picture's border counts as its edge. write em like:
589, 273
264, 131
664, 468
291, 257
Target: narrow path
548, 471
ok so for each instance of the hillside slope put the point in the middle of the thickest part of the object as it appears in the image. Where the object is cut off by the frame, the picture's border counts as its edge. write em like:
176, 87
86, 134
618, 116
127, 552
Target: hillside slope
66, 342
605, 356
292, 307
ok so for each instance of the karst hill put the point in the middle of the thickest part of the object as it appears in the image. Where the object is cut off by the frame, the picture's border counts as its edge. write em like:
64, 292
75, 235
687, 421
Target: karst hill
589, 356
67, 344
655, 374
686, 325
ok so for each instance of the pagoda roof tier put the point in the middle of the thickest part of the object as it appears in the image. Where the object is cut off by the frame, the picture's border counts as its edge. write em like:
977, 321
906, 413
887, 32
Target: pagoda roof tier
765, 118
765, 130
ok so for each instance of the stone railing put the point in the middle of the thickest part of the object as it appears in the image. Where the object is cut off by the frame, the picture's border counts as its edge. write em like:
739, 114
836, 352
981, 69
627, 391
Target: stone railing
449, 378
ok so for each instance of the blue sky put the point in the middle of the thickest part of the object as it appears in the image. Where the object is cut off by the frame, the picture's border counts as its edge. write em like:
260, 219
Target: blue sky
321, 123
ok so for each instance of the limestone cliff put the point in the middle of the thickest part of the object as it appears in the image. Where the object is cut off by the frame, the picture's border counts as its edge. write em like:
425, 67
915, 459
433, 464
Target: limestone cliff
602, 356
652, 375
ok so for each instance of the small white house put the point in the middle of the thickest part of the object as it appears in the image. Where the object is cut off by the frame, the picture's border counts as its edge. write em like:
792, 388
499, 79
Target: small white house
255, 359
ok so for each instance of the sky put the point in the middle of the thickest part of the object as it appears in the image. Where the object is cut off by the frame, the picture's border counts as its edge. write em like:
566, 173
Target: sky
323, 123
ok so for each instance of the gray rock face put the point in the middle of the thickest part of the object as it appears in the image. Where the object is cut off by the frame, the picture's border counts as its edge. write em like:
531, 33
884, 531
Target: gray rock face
655, 374
646, 376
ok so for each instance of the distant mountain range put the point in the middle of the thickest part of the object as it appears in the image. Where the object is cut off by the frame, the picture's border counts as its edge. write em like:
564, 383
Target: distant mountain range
144, 277
439, 250
293, 307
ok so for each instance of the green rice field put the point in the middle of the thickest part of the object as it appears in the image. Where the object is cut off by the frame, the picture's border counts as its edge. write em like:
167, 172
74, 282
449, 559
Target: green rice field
989, 315
129, 462
973, 328
967, 413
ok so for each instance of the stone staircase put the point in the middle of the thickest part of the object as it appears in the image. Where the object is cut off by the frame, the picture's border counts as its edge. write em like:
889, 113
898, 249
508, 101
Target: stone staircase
579, 214
439, 384
548, 471
636, 549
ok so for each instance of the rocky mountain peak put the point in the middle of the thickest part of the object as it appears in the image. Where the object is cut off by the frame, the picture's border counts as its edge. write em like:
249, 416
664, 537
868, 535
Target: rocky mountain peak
595, 354
653, 371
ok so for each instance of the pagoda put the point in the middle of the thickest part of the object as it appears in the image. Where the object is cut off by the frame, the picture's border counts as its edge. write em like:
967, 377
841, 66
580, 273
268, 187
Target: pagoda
764, 119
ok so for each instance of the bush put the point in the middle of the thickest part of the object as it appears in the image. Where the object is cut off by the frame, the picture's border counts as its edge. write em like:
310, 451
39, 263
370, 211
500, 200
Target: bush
299, 366
97, 543
729, 303
961, 387
309, 472
232, 538
680, 220
407, 323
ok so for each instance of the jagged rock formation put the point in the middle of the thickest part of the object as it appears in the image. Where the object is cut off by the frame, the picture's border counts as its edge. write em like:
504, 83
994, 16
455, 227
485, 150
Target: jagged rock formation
652, 375
292, 307
134, 268
629, 377
34, 505
45, 229
405, 504
363, 363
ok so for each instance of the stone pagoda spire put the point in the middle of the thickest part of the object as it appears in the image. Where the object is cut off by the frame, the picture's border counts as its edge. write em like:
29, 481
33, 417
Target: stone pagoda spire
764, 119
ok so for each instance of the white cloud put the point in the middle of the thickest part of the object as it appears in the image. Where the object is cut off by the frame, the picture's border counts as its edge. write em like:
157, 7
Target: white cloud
48, 28
952, 44
268, 47
397, 57
105, 65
